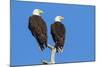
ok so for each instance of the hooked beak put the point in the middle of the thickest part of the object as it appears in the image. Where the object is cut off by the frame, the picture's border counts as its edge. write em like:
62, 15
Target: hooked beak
41, 12
62, 18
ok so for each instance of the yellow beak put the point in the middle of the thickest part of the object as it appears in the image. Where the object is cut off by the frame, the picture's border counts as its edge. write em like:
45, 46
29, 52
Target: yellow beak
62, 18
41, 12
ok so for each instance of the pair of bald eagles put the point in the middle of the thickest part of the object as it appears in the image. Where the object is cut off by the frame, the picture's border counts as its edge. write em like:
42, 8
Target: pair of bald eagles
38, 28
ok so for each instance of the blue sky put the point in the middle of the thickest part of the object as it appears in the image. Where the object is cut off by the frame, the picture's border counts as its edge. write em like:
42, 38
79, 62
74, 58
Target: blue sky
79, 22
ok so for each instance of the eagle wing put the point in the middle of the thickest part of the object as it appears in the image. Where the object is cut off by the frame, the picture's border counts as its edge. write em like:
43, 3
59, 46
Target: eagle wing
58, 34
38, 29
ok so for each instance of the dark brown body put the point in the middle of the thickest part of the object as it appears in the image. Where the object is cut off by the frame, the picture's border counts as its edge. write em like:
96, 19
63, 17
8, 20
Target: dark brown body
58, 34
38, 28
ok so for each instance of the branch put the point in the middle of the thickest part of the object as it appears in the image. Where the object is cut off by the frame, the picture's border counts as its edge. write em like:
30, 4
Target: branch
45, 62
52, 58
53, 52
50, 46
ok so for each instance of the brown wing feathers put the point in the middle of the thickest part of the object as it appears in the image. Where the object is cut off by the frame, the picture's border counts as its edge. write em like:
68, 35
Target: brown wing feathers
37, 27
58, 34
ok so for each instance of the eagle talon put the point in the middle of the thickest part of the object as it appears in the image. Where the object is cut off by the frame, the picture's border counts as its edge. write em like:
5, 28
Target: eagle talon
60, 50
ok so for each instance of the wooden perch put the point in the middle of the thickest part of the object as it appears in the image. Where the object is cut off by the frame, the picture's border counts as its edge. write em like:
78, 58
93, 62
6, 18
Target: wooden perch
52, 58
53, 52
45, 62
50, 46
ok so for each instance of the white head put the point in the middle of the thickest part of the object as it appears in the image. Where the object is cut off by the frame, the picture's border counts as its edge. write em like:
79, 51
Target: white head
59, 18
37, 12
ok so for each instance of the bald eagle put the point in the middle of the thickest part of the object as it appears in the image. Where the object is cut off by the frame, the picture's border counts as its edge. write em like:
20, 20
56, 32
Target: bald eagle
58, 33
38, 28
